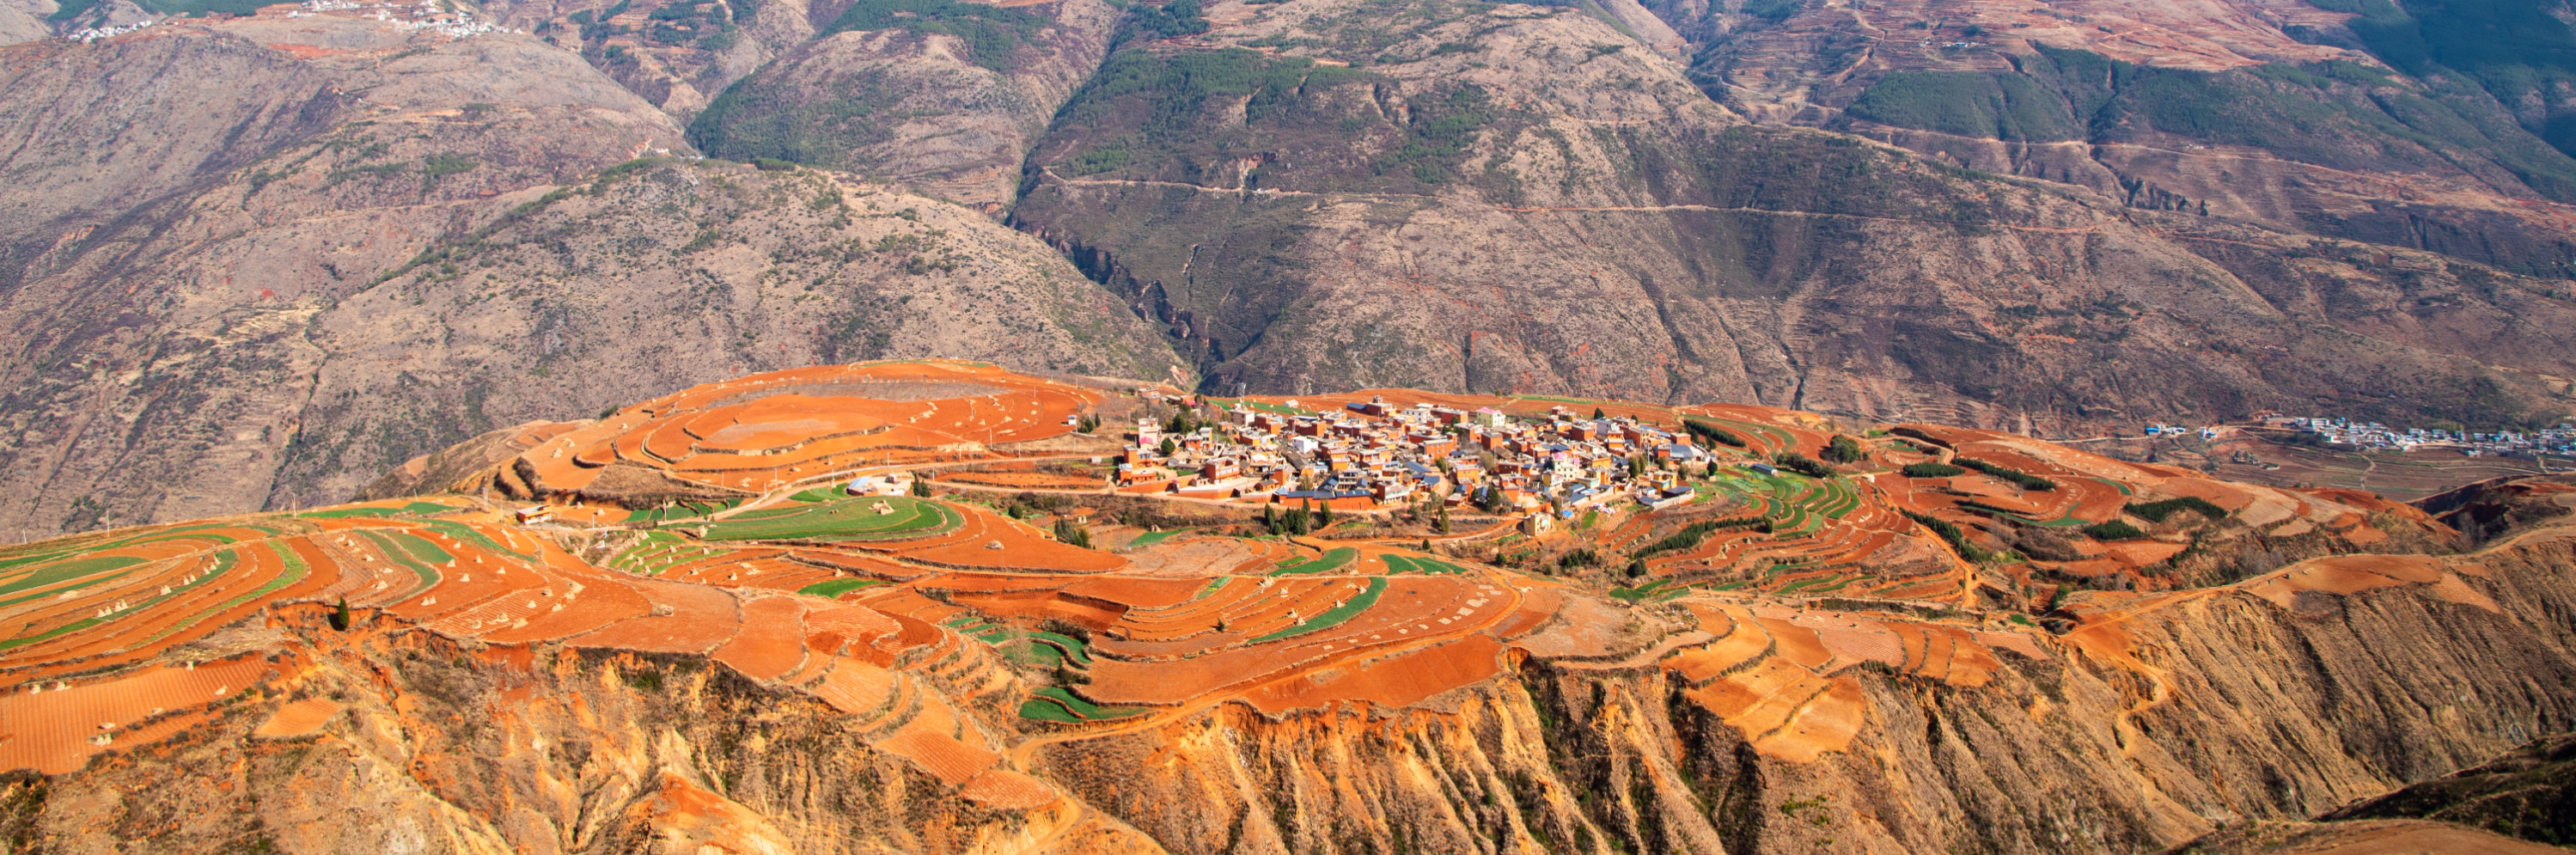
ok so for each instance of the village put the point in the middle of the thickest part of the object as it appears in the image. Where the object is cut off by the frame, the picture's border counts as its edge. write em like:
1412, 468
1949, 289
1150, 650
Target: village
2559, 441
1376, 452
423, 15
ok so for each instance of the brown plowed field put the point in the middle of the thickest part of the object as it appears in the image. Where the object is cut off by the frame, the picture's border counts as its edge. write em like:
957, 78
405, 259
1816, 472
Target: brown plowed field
50, 730
1394, 682
772, 640
855, 687
698, 620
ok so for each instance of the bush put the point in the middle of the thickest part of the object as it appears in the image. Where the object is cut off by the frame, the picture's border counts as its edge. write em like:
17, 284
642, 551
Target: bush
1844, 449
1950, 532
1636, 569
1067, 532
2113, 530
1691, 535
2026, 480
1802, 464
991, 33
1932, 470
1712, 433
1176, 18
2158, 511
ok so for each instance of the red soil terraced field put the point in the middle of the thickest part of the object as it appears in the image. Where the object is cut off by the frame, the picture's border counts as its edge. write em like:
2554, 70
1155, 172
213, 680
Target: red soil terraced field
1777, 674
768, 430
1025, 480
921, 629
54, 727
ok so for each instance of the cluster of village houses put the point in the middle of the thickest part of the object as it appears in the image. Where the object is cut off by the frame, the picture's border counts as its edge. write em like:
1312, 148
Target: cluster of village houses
1389, 453
428, 16
2557, 441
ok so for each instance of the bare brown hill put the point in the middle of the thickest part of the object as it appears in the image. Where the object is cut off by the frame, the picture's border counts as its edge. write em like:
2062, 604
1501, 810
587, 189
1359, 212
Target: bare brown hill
253, 262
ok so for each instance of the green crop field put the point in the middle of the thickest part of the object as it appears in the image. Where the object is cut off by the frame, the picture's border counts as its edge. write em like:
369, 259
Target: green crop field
412, 509
660, 551
837, 587
1405, 564
409, 550
1153, 537
1058, 705
1331, 560
68, 570
848, 519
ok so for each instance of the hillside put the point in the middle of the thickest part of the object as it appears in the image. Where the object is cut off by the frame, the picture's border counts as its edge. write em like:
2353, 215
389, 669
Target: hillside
348, 243
2075, 218
755, 659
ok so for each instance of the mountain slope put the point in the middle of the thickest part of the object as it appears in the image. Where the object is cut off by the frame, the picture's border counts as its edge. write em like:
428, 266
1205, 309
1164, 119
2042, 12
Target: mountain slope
203, 221
1528, 199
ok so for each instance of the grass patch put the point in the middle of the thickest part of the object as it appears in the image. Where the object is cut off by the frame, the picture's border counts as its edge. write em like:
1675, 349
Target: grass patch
1331, 560
835, 587
1153, 537
1640, 592
1057, 705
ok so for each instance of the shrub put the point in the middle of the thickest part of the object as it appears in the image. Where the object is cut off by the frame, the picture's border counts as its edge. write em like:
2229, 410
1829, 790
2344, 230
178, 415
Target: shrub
1176, 18
1950, 532
1691, 535
1932, 470
991, 33
1802, 464
2025, 480
2158, 511
1914, 433
1712, 433
1067, 532
2113, 530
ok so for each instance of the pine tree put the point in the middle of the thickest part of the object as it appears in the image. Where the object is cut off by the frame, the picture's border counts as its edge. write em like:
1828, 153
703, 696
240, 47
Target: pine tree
340, 619
1444, 519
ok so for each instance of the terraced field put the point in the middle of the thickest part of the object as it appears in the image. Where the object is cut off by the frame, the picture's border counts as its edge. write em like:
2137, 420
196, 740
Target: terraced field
929, 623
881, 518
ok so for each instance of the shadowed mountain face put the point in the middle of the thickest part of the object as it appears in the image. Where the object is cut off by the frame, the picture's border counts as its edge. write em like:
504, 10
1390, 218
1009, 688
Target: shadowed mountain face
2077, 216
